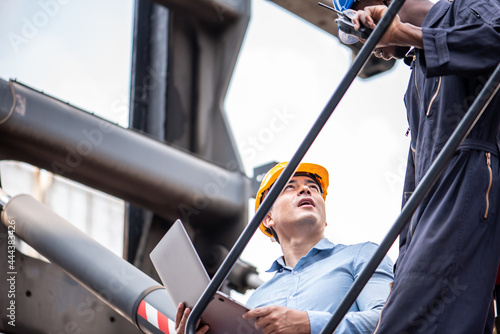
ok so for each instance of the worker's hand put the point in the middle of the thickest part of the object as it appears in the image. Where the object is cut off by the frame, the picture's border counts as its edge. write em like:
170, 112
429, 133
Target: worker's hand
370, 16
181, 319
280, 319
398, 34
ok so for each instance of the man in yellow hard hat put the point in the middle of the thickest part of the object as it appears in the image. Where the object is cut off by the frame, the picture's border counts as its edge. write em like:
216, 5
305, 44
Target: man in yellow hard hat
313, 275
314, 175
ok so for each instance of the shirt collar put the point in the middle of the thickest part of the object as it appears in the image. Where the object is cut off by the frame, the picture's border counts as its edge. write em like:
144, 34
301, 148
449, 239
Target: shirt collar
279, 263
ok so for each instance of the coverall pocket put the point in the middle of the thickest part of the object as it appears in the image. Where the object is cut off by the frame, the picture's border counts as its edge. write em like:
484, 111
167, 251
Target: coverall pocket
488, 14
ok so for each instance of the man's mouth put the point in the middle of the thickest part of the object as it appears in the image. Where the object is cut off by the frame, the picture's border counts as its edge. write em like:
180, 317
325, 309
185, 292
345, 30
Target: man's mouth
305, 202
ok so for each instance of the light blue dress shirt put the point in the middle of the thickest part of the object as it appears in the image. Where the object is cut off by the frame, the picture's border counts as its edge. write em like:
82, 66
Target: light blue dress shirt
321, 279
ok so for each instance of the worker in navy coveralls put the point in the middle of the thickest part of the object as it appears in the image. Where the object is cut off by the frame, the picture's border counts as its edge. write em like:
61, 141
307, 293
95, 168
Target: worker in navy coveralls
450, 251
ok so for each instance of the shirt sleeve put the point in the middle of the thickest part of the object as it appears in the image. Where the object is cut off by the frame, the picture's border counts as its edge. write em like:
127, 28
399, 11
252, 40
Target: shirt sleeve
470, 46
369, 302
353, 322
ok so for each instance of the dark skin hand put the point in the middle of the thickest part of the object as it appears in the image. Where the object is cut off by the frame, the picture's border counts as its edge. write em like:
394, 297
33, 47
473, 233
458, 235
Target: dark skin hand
398, 34
181, 319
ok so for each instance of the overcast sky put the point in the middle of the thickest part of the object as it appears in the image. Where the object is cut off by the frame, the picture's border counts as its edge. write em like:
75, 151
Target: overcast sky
79, 51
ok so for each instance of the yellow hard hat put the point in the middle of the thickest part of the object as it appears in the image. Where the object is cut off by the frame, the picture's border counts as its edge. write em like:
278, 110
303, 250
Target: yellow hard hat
319, 173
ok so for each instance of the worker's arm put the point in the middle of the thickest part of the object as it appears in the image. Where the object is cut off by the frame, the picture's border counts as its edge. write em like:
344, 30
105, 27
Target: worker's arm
279, 319
181, 319
470, 47
370, 301
398, 33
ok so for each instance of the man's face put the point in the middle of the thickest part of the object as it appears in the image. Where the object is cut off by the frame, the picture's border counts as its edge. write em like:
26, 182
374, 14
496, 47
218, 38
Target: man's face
300, 203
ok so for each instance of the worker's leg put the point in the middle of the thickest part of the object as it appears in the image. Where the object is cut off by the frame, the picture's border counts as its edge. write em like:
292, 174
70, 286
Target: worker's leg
445, 279
497, 304
490, 321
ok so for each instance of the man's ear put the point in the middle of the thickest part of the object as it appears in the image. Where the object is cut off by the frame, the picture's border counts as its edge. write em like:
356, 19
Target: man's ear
268, 220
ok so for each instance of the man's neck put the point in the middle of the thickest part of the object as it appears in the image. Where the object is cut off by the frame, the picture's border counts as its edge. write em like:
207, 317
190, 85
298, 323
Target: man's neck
414, 12
296, 248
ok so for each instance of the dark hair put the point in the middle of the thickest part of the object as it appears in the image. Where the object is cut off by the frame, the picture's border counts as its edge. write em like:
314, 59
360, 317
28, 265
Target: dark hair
273, 232
312, 176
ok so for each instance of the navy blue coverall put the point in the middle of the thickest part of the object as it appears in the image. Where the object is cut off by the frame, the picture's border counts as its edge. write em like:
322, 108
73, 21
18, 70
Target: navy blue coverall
450, 251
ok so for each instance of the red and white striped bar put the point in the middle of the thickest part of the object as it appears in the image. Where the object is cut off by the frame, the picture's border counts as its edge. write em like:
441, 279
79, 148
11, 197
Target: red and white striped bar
154, 317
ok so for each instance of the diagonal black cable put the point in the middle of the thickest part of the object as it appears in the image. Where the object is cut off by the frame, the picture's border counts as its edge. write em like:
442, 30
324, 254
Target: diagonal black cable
464, 127
289, 170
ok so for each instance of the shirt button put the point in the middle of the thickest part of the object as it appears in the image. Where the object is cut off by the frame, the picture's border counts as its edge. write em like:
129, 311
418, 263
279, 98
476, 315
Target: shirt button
295, 273
290, 297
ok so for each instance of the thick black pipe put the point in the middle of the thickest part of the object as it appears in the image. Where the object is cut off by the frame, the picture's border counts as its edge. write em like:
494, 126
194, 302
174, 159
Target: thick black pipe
112, 279
287, 173
423, 188
120, 162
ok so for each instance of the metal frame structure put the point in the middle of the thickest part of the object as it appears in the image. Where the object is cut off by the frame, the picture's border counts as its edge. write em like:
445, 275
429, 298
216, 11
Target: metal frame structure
182, 60
178, 160
117, 283
183, 56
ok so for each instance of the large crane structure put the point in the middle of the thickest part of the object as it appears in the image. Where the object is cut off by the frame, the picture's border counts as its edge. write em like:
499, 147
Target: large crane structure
177, 159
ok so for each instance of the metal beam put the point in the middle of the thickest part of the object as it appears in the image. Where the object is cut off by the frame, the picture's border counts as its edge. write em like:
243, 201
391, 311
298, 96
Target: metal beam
184, 108
110, 278
48, 133
148, 92
46, 300
214, 13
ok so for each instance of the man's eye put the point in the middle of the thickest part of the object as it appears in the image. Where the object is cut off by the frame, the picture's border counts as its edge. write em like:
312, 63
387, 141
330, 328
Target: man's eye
289, 186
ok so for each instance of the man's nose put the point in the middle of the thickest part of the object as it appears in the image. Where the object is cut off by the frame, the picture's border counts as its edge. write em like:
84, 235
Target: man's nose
305, 189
